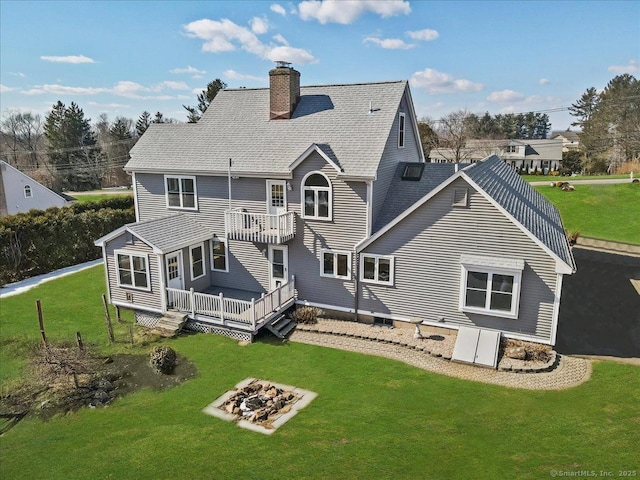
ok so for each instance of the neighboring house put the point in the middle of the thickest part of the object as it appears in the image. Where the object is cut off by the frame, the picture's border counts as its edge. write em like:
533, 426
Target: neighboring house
570, 140
20, 193
543, 155
320, 196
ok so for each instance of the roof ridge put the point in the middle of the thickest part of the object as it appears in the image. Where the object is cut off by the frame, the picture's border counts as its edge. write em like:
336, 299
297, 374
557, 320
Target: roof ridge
318, 85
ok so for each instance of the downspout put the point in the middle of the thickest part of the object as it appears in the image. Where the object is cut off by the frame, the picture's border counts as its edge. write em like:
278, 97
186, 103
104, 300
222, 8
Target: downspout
356, 284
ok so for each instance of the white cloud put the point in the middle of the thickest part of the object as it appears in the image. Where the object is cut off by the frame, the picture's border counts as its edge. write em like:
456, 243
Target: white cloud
290, 54
389, 43
109, 105
259, 25
280, 39
129, 89
233, 75
225, 36
175, 85
631, 68
544, 81
67, 59
427, 34
17, 74
438, 82
277, 8
189, 69
4, 89
348, 11
63, 90
504, 96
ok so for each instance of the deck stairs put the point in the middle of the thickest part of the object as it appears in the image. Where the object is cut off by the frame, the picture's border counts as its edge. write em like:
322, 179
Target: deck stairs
170, 324
281, 326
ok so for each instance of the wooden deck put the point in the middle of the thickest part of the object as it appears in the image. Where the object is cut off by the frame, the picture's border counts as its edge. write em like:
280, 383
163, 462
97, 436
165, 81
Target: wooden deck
233, 309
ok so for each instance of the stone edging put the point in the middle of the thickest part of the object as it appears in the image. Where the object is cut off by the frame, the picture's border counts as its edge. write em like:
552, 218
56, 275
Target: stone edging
548, 366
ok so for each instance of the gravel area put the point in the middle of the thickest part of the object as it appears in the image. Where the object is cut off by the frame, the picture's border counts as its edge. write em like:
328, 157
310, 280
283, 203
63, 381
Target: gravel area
433, 353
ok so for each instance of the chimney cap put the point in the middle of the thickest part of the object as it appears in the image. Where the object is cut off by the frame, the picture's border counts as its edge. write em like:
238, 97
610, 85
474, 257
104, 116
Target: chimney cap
283, 64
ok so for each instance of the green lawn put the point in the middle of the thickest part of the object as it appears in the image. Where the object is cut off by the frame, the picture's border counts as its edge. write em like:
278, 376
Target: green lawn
373, 417
545, 178
609, 212
97, 197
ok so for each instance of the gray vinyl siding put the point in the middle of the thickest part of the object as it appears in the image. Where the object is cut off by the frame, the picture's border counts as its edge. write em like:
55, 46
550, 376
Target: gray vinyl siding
13, 182
347, 228
427, 246
248, 268
393, 155
198, 284
151, 299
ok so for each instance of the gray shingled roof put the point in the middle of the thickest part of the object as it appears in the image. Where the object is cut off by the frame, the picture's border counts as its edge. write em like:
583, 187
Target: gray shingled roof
236, 125
539, 149
402, 193
522, 202
171, 233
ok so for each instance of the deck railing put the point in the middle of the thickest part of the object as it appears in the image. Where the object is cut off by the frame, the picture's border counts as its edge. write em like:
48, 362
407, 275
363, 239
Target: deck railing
259, 227
222, 308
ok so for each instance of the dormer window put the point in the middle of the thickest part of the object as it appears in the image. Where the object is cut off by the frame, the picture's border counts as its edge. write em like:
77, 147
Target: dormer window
27, 191
401, 130
316, 196
181, 192
512, 149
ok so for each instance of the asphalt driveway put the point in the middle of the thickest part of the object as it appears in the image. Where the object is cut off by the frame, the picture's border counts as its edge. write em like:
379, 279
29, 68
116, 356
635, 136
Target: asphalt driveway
600, 307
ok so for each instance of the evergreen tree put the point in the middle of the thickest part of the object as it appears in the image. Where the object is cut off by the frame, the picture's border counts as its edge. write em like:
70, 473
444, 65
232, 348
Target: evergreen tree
74, 154
143, 123
204, 99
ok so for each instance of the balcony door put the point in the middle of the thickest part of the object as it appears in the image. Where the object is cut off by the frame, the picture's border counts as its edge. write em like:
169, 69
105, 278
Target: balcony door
278, 266
276, 200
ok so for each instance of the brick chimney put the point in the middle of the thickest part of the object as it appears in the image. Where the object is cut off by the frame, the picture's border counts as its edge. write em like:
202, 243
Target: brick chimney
284, 89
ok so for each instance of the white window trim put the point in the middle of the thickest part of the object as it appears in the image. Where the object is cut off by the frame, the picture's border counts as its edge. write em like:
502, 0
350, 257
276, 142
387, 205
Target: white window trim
204, 267
226, 254
335, 254
130, 255
180, 178
304, 188
27, 186
377, 258
517, 283
402, 130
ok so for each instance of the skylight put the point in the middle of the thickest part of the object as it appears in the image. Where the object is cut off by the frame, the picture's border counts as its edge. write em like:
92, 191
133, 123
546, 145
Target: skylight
413, 171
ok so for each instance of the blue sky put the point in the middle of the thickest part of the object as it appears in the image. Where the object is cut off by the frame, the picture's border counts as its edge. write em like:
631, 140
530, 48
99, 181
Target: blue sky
121, 58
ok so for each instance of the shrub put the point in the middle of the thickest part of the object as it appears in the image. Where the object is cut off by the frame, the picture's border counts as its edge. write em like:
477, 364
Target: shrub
573, 237
163, 359
306, 315
44, 240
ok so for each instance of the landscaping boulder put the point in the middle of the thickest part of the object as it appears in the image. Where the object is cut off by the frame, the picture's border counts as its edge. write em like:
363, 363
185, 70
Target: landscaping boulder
518, 353
163, 359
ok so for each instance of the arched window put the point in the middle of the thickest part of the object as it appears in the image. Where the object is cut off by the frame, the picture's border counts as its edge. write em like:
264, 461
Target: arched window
316, 196
27, 191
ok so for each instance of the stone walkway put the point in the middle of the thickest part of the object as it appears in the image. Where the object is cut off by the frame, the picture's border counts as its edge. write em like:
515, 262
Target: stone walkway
399, 344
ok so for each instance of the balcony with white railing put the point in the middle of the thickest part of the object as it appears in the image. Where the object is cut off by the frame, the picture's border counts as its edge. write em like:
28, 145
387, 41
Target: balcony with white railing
223, 310
259, 227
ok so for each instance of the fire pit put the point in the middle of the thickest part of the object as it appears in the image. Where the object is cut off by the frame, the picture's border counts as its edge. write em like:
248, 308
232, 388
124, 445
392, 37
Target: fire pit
260, 405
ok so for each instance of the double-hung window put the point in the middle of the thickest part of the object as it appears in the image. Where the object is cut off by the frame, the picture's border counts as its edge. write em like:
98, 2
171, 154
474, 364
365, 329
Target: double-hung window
196, 255
334, 264
316, 196
376, 269
219, 255
133, 270
181, 192
491, 287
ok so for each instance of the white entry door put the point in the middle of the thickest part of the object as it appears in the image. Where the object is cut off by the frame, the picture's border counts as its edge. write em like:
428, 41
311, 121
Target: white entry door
278, 266
174, 270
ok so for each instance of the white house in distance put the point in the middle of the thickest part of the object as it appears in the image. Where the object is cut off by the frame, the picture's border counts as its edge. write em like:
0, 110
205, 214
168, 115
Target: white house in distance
20, 193
544, 155
570, 140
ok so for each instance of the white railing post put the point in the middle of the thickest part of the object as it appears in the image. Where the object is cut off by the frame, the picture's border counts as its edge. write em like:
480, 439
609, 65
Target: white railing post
221, 306
253, 313
192, 303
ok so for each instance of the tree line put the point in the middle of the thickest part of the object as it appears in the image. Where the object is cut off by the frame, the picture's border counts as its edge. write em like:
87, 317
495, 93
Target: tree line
609, 122
66, 151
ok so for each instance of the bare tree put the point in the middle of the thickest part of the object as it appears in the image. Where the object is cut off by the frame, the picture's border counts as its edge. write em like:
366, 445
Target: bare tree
22, 135
452, 135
